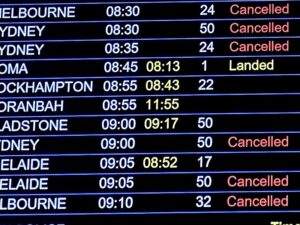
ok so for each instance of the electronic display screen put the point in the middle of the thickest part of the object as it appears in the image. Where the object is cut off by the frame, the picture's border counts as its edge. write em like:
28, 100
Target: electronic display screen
161, 112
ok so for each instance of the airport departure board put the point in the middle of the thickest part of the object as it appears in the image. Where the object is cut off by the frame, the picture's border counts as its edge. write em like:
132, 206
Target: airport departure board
149, 112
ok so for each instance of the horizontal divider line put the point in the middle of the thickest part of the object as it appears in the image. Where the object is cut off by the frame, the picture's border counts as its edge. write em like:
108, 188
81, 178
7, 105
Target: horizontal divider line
148, 76
137, 2
149, 95
152, 39
152, 57
149, 213
153, 114
149, 134
150, 193
251, 19
152, 153
147, 173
